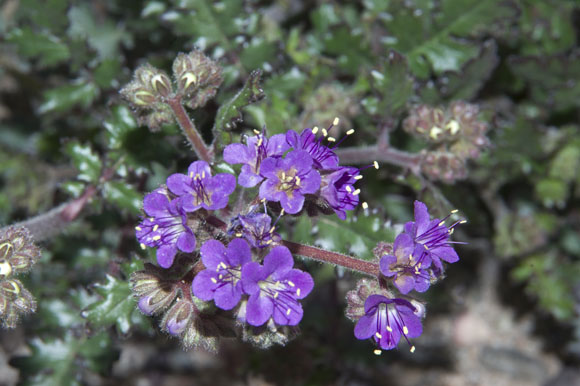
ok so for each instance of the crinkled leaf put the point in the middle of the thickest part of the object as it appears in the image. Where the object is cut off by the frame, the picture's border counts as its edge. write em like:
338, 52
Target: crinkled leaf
392, 84
553, 81
104, 37
465, 85
117, 306
123, 195
440, 41
550, 281
63, 98
119, 126
85, 160
208, 22
229, 114
61, 362
47, 48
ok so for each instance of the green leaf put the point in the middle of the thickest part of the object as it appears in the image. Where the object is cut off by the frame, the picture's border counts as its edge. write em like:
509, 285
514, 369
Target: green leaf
550, 280
119, 126
439, 41
47, 48
392, 84
329, 232
63, 98
209, 22
117, 306
85, 160
104, 36
107, 72
258, 52
123, 195
550, 79
230, 114
466, 84
61, 362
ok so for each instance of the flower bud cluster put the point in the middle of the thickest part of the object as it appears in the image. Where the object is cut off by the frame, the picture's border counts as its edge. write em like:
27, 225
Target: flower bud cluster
17, 255
456, 135
164, 292
197, 79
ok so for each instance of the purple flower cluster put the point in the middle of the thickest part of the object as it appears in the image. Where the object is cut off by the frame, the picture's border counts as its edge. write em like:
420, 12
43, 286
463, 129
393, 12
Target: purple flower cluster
416, 260
308, 168
418, 252
166, 225
272, 288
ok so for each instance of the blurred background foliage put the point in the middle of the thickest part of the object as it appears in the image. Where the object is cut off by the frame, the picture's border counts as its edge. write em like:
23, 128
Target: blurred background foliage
64, 130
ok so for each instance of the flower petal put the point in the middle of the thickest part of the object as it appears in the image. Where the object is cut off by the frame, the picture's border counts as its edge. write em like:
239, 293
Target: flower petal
186, 241
203, 286
236, 153
212, 254
278, 262
259, 309
166, 255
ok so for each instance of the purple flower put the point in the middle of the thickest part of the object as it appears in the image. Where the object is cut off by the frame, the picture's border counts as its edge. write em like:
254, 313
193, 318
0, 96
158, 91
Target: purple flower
198, 189
220, 281
288, 179
432, 235
386, 320
256, 228
407, 266
165, 229
252, 154
322, 156
337, 188
275, 288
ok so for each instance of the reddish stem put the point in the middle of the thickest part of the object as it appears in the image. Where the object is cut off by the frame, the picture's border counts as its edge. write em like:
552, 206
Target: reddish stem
368, 154
322, 255
202, 151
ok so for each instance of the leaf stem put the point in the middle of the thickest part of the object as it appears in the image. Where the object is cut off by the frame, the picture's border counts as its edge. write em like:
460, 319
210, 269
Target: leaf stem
202, 151
322, 255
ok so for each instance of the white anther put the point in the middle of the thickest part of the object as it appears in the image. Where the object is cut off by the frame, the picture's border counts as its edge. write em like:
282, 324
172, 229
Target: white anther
350, 132
335, 122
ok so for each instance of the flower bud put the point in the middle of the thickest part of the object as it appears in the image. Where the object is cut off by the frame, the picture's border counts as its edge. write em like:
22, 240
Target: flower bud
161, 84
198, 78
147, 93
155, 293
269, 334
15, 301
443, 165
382, 249
355, 299
178, 317
17, 251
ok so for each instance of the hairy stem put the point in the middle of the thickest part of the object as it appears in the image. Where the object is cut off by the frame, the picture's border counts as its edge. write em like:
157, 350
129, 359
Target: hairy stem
322, 255
368, 154
202, 151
